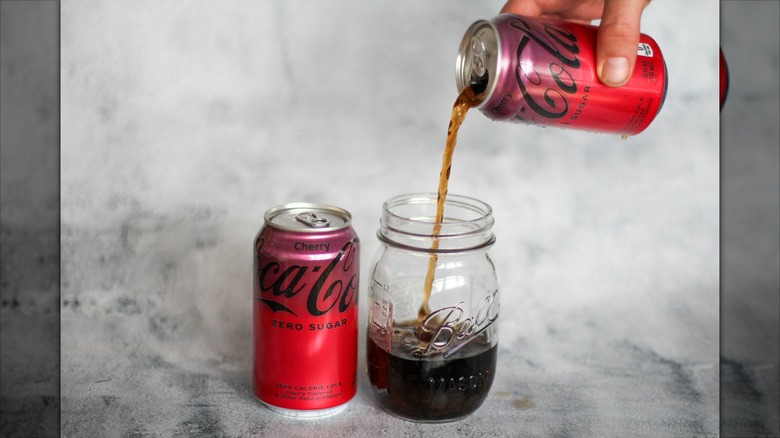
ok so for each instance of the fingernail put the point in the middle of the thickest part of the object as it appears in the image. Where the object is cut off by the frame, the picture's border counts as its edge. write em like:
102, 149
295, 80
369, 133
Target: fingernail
615, 71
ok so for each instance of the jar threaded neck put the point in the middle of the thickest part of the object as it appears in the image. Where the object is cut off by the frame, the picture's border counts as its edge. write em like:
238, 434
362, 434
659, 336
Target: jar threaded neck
408, 221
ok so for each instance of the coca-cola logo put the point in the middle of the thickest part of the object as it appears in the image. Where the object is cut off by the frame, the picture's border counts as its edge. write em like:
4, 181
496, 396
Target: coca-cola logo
325, 287
451, 329
544, 83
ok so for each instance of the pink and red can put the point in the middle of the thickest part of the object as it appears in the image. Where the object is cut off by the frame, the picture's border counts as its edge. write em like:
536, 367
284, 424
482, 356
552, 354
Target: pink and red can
542, 71
306, 272
724, 79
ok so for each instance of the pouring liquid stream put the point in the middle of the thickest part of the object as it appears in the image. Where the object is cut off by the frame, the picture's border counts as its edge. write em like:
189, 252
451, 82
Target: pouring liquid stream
466, 100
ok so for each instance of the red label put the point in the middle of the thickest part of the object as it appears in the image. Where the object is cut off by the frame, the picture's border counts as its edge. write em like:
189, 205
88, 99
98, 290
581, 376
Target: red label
305, 328
550, 79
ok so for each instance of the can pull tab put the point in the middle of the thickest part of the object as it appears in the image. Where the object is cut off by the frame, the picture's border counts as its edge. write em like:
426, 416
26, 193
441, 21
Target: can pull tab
478, 61
312, 220
479, 77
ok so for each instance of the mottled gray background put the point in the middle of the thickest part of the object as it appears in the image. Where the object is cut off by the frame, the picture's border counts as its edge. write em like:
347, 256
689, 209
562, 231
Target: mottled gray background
181, 125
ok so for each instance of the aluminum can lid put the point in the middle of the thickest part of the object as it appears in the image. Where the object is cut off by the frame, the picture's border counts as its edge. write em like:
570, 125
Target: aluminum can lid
478, 59
306, 217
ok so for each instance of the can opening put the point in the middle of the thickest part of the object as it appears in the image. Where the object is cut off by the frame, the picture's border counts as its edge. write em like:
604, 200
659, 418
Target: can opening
477, 61
479, 84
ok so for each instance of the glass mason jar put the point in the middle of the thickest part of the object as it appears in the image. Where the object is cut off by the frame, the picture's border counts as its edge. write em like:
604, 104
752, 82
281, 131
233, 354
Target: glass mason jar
433, 359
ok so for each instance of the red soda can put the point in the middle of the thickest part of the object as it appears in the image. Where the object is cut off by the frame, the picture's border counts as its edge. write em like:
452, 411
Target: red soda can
724, 79
306, 272
542, 71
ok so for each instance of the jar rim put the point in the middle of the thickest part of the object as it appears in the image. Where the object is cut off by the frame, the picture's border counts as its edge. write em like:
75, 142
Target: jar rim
470, 203
409, 221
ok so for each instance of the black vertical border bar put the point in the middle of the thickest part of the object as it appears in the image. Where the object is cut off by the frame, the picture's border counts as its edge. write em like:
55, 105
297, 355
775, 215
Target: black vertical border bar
749, 232
30, 218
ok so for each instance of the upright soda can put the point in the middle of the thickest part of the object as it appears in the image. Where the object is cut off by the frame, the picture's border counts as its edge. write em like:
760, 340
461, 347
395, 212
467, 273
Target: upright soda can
543, 72
306, 271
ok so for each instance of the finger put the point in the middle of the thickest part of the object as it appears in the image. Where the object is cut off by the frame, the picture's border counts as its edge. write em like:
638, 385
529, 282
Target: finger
522, 7
617, 40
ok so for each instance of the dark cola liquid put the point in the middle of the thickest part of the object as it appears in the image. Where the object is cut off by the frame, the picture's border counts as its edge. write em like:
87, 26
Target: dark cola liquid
431, 389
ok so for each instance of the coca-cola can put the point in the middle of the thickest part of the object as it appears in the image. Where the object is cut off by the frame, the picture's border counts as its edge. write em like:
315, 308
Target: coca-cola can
542, 71
724, 79
306, 272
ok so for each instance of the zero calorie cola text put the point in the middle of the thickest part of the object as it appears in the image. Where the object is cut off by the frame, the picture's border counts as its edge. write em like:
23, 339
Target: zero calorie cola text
542, 71
306, 271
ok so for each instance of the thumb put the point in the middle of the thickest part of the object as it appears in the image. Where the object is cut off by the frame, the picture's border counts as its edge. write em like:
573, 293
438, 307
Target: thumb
617, 41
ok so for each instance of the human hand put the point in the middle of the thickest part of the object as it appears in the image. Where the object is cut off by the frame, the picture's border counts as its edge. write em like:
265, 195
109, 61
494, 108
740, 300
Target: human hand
618, 35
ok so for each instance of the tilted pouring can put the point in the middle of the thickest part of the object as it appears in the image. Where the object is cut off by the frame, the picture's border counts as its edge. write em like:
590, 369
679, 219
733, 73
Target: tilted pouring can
724, 79
543, 72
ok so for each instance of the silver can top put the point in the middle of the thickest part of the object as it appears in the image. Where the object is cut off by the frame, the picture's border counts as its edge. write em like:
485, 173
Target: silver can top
478, 59
305, 217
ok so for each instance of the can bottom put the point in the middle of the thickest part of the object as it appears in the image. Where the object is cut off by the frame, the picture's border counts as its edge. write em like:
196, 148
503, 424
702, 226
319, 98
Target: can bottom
306, 413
